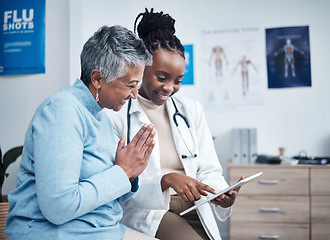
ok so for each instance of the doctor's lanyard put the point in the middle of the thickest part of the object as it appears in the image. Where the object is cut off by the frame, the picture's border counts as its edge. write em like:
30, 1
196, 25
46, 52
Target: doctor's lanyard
175, 115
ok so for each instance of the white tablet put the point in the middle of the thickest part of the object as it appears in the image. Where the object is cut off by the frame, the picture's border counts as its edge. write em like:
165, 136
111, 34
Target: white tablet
232, 187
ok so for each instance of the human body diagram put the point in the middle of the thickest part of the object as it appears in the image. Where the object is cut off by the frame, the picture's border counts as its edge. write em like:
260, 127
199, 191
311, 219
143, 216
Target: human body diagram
244, 64
219, 54
289, 60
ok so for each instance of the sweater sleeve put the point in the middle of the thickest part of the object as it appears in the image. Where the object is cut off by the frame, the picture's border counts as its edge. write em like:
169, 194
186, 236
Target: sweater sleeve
58, 160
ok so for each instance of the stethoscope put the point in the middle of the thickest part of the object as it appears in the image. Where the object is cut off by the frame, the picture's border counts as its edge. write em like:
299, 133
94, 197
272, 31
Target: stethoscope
175, 115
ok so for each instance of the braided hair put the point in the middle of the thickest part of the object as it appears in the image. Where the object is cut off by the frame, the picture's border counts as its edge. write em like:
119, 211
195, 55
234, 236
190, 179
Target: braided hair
156, 29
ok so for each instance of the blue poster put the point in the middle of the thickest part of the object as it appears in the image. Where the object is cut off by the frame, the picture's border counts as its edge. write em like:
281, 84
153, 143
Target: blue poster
22, 37
188, 78
288, 57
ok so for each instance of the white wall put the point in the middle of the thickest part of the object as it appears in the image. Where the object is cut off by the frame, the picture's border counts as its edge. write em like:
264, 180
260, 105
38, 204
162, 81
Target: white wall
296, 118
20, 95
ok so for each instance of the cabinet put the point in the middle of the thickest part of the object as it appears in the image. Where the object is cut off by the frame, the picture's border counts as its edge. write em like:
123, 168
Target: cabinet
320, 203
286, 202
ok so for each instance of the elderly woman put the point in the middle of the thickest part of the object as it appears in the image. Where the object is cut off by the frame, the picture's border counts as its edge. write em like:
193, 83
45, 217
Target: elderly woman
73, 176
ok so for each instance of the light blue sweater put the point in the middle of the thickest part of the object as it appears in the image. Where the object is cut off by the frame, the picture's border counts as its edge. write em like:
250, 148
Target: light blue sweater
68, 186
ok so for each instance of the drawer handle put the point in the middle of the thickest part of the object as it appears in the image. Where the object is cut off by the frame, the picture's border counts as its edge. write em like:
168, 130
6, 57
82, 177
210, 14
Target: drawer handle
269, 237
268, 181
269, 209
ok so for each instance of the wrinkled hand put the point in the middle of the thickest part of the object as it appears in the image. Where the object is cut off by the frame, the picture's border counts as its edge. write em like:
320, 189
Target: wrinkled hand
189, 189
134, 157
227, 199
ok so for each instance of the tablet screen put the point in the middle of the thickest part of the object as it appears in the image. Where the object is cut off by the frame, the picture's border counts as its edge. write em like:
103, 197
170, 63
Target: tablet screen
232, 187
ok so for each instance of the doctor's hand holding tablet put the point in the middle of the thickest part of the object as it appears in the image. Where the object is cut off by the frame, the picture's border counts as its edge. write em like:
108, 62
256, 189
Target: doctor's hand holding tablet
227, 199
227, 196
189, 189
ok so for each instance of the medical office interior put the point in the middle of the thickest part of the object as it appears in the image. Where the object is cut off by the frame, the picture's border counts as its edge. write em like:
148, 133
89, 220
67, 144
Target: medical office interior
294, 118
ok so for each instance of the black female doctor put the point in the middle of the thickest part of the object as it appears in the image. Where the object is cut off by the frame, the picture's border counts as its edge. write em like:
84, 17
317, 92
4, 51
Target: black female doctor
183, 167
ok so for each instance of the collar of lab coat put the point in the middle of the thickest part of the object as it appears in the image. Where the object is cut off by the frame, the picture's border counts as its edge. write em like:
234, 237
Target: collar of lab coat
137, 109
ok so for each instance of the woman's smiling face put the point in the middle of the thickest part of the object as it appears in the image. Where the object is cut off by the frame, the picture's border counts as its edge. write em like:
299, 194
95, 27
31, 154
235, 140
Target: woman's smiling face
163, 78
114, 96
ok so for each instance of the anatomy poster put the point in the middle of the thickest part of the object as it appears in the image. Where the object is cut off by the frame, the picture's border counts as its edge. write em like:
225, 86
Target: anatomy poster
233, 64
22, 37
288, 57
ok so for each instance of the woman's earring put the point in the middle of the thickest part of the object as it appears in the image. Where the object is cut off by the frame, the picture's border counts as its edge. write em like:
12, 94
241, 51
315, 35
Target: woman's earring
97, 97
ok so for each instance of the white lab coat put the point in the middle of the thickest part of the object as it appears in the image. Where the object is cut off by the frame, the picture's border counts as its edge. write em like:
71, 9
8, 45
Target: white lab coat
144, 211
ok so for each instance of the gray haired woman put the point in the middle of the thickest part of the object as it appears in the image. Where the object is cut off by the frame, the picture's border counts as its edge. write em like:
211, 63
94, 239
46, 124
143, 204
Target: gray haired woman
73, 175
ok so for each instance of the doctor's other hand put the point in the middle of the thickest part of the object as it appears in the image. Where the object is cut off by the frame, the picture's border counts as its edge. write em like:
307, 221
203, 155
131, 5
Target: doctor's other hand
227, 199
134, 157
189, 189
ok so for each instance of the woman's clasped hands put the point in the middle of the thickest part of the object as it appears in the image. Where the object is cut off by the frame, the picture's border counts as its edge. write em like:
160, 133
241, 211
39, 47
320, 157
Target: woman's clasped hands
134, 157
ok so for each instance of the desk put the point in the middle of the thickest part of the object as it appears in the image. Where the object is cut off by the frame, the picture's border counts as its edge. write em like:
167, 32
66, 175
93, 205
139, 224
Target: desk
286, 202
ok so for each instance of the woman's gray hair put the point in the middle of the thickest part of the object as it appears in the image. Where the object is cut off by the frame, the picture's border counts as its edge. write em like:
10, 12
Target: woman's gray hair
113, 51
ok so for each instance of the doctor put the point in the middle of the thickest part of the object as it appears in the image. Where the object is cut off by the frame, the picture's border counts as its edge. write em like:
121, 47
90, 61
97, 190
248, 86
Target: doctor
183, 167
